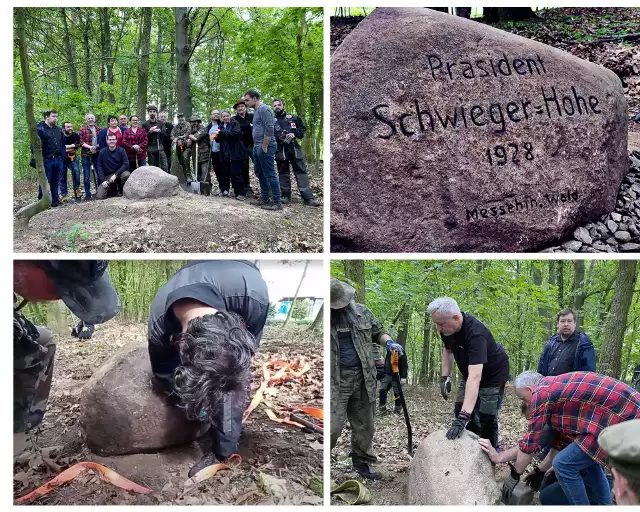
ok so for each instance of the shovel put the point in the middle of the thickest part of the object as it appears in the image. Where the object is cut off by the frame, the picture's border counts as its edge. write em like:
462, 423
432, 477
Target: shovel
396, 377
199, 187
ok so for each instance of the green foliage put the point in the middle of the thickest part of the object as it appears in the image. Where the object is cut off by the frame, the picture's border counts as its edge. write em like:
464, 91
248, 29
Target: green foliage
517, 299
253, 49
75, 232
300, 309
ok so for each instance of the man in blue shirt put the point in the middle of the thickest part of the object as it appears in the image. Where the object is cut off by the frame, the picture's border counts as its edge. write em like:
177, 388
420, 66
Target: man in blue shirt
53, 153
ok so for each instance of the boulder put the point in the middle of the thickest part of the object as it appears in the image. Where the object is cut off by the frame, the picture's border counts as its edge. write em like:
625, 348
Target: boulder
445, 472
122, 410
448, 135
150, 182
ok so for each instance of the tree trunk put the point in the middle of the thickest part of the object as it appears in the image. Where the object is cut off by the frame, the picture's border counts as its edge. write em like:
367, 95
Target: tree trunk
172, 91
426, 338
463, 12
70, 47
317, 146
354, 272
87, 53
304, 273
106, 52
617, 322
317, 322
560, 268
578, 291
403, 325
301, 42
507, 13
162, 83
143, 69
549, 326
183, 78
23, 216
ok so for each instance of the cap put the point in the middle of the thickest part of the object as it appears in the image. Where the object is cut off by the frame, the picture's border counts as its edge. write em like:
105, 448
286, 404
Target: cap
621, 442
240, 102
341, 294
180, 114
152, 107
195, 118
85, 288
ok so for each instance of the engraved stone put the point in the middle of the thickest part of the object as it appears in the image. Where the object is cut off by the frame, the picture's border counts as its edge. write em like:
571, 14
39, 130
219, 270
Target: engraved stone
482, 141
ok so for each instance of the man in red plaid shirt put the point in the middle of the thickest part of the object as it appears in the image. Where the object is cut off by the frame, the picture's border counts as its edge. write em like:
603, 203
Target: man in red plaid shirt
577, 405
135, 142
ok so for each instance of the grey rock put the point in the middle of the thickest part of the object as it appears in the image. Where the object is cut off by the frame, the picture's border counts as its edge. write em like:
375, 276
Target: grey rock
612, 241
150, 182
587, 248
600, 246
616, 217
548, 249
613, 227
572, 245
633, 230
445, 472
594, 233
623, 236
630, 247
602, 229
583, 235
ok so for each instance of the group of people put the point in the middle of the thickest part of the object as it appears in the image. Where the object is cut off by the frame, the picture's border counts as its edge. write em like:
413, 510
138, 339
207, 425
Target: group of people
579, 421
206, 307
225, 145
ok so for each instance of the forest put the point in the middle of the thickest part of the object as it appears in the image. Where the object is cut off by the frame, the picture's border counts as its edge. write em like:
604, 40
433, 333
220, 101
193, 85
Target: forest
113, 60
518, 300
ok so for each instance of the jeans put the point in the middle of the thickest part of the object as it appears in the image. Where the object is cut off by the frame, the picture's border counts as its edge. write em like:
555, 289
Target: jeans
53, 170
576, 473
74, 165
264, 164
87, 161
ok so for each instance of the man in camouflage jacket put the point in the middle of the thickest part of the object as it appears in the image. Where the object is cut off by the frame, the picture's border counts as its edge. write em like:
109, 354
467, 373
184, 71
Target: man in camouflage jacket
354, 331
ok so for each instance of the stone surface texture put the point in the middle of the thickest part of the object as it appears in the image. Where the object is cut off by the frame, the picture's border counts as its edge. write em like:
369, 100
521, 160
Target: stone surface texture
150, 182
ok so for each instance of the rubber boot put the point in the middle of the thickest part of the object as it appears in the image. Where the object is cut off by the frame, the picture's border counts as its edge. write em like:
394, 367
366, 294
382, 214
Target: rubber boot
285, 200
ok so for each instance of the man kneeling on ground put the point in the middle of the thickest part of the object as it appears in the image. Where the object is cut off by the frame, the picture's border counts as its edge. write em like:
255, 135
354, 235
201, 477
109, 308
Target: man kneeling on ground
112, 166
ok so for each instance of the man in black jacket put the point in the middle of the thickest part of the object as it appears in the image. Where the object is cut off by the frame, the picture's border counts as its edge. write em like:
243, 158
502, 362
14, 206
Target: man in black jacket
389, 381
204, 329
245, 120
53, 153
288, 127
156, 133
165, 137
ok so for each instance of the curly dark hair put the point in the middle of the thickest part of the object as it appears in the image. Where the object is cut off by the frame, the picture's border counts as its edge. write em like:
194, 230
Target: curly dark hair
216, 352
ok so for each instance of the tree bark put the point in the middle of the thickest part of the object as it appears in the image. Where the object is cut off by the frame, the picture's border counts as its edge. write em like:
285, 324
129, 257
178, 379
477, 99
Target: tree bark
317, 322
578, 291
549, 325
354, 271
183, 78
463, 12
610, 355
106, 52
87, 52
560, 268
70, 47
25, 214
426, 339
304, 273
143, 69
403, 325
162, 84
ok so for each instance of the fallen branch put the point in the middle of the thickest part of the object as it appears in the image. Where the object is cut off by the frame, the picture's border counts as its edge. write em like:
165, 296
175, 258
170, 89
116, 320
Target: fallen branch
308, 424
623, 37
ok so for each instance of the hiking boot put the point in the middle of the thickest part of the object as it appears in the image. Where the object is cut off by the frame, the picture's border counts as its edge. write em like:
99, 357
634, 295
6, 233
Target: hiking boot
397, 410
311, 202
273, 206
363, 469
241, 198
225, 193
55, 204
285, 200
259, 202
88, 198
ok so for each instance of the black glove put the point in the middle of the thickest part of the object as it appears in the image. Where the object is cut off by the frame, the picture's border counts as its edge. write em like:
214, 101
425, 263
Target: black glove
534, 479
445, 386
510, 484
458, 425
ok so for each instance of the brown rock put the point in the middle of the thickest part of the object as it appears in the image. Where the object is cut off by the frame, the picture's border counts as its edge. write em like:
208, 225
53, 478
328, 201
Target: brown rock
445, 472
123, 411
539, 145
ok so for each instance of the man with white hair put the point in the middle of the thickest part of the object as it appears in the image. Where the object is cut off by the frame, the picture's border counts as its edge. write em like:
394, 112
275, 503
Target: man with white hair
484, 366
579, 406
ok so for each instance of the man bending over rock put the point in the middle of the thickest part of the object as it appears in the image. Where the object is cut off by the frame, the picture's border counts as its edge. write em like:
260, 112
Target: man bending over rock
484, 366
579, 406
87, 291
204, 329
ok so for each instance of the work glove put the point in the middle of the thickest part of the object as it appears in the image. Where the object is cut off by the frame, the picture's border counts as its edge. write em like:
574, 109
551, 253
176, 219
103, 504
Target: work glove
458, 425
534, 479
510, 484
380, 372
392, 345
445, 386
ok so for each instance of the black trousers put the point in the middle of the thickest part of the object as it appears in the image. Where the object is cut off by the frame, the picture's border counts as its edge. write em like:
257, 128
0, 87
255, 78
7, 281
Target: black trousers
244, 169
223, 174
293, 158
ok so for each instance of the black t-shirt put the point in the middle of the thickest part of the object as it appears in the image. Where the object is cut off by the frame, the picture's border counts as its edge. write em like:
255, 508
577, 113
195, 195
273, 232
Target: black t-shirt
562, 355
474, 344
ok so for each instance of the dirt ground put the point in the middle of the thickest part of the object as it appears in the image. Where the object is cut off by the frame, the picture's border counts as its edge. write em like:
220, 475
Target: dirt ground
183, 223
266, 447
428, 412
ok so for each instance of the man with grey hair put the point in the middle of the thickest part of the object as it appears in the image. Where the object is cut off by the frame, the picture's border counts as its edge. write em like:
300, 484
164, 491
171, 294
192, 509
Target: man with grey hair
354, 331
484, 366
579, 406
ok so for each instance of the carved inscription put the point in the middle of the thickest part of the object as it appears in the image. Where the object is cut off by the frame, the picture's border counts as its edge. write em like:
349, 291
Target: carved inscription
470, 69
512, 152
514, 206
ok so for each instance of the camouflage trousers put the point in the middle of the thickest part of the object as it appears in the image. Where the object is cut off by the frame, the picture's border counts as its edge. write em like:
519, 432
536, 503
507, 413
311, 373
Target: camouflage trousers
351, 402
385, 385
484, 419
33, 355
